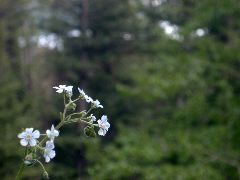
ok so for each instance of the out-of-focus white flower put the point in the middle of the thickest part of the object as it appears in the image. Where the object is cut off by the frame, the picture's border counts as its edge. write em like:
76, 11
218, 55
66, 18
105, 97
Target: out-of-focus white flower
49, 153
85, 96
89, 99
64, 88
51, 134
103, 125
93, 118
60, 89
82, 92
29, 137
97, 104
68, 89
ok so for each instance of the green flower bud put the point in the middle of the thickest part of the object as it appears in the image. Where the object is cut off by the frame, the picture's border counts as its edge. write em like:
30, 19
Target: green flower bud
29, 160
89, 131
45, 175
72, 107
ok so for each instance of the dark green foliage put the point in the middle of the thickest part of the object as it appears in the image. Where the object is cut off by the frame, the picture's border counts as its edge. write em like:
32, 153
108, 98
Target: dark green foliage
13, 102
173, 104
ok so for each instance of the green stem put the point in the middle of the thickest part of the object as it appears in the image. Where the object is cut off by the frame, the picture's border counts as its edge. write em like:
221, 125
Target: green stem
73, 114
59, 125
82, 120
20, 171
43, 168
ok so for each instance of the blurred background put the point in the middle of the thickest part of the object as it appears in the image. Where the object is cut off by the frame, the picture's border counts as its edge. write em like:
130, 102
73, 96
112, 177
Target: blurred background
166, 71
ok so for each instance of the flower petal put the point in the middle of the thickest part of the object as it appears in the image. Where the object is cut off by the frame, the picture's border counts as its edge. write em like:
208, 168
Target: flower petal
23, 142
62, 86
22, 135
52, 127
59, 91
104, 118
48, 132
102, 132
36, 134
47, 159
33, 142
99, 122
107, 125
52, 154
49, 145
29, 130
55, 133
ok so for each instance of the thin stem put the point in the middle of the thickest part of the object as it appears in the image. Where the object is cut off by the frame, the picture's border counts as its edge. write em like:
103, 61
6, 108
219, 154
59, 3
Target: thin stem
64, 99
89, 123
73, 114
20, 171
44, 170
76, 99
59, 125
88, 111
80, 119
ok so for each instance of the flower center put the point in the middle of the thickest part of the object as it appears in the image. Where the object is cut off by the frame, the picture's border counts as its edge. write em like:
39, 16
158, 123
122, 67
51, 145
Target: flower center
103, 126
28, 137
47, 151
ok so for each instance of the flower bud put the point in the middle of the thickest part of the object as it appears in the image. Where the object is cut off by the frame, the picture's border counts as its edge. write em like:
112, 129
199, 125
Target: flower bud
72, 107
89, 131
45, 175
29, 160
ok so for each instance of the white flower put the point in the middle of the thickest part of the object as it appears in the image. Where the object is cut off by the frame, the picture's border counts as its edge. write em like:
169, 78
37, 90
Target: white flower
103, 125
68, 89
93, 118
85, 96
60, 89
97, 104
89, 99
64, 88
49, 153
29, 137
82, 92
51, 134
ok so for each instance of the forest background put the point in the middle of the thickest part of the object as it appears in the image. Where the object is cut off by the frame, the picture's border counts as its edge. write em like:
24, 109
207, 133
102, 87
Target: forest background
166, 71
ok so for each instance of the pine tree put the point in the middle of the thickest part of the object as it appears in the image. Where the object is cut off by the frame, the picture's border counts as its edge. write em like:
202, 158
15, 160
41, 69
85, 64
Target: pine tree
12, 102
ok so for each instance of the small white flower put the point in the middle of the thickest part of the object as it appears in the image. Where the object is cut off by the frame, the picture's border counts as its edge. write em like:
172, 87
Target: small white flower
103, 125
85, 96
60, 89
82, 92
64, 88
97, 104
49, 153
93, 118
68, 89
89, 99
29, 137
51, 134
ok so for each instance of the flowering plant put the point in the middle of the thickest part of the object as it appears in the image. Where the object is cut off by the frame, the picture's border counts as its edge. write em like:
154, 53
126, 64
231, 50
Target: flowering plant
41, 146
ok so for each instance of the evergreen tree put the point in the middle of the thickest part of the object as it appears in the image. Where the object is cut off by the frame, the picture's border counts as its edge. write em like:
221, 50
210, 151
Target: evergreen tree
13, 105
172, 99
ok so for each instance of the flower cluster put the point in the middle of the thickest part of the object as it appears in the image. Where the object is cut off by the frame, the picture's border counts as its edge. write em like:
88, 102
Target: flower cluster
95, 104
64, 88
30, 137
